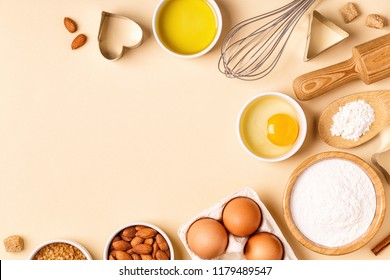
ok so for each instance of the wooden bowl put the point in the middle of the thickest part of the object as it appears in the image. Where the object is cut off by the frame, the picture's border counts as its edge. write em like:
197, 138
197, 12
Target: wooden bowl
379, 211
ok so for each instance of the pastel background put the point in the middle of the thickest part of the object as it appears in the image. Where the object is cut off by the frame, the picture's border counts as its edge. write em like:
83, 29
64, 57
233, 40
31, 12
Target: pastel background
88, 145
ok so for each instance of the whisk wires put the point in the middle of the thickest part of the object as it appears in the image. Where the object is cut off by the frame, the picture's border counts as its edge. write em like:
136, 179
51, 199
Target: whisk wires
253, 47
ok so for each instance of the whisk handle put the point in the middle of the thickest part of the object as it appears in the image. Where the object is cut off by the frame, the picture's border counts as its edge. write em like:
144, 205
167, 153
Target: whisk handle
318, 82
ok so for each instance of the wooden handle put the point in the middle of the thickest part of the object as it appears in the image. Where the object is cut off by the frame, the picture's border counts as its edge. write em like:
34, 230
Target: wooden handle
315, 83
381, 245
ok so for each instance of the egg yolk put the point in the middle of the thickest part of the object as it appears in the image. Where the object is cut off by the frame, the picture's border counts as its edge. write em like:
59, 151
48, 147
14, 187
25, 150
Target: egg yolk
282, 130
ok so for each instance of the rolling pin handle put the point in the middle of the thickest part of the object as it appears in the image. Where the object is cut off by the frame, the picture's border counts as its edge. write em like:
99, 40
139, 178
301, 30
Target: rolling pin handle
315, 83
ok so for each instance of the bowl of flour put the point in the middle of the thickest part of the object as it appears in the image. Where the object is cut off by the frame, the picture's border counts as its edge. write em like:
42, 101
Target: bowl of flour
334, 203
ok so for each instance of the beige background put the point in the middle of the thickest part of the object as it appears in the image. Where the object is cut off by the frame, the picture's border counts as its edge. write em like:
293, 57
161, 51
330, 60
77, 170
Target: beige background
87, 145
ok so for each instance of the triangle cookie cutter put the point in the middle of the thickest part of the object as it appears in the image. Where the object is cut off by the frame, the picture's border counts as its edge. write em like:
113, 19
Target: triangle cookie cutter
322, 35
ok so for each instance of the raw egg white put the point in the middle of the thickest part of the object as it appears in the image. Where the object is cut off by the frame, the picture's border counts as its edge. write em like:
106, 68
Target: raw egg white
207, 238
241, 216
263, 246
269, 127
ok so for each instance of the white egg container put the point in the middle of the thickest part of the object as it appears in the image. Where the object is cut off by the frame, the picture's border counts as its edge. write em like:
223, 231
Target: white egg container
235, 248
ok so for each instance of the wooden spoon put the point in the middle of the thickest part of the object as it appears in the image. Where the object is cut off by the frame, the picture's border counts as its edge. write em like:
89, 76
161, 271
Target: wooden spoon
378, 100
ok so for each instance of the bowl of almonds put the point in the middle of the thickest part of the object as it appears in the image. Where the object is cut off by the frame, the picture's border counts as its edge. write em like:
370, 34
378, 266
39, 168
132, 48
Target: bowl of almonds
138, 241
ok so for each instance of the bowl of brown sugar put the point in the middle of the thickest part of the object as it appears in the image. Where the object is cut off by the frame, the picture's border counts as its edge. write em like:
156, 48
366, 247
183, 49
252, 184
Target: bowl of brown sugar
60, 249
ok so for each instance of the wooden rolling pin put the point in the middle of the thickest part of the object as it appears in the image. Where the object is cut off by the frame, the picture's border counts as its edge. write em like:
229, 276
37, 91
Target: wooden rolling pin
370, 62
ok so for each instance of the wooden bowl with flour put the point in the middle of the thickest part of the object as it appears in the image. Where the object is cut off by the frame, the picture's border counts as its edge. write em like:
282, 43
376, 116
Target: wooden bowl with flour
334, 203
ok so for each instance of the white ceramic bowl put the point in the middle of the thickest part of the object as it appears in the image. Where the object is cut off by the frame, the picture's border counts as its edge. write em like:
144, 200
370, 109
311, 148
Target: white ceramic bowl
75, 244
108, 243
218, 16
301, 121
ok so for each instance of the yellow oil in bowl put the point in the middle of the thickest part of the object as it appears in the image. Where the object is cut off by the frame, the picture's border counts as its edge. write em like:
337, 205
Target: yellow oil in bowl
186, 27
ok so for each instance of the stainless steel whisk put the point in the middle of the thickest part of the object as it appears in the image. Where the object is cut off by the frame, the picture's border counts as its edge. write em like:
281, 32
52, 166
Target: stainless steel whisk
252, 48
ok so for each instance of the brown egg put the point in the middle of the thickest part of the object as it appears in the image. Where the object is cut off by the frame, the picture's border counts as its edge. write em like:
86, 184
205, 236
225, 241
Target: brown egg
207, 238
263, 246
241, 216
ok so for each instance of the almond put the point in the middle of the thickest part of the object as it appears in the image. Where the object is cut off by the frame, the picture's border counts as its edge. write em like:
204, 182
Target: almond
146, 257
116, 238
136, 257
136, 240
142, 249
113, 253
79, 41
146, 233
130, 251
129, 232
111, 258
161, 255
123, 256
155, 249
139, 227
70, 25
125, 238
162, 243
149, 241
121, 245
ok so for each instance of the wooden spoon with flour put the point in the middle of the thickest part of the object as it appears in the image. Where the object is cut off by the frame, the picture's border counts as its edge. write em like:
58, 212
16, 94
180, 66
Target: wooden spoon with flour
378, 100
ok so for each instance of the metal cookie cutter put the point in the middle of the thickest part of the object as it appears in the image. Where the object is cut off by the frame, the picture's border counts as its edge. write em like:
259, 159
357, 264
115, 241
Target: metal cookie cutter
116, 34
322, 35
381, 159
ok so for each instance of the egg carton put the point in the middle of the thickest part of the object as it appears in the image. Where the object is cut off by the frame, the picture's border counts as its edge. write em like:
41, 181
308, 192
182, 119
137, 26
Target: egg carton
235, 248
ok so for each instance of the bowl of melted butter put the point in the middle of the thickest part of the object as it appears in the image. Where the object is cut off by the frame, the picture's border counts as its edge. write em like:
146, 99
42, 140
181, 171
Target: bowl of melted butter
272, 126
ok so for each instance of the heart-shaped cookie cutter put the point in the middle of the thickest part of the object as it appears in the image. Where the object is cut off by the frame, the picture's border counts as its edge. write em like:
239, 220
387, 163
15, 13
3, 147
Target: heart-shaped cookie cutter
134, 32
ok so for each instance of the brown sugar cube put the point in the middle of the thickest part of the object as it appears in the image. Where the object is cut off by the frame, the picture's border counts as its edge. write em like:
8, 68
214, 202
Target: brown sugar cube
375, 21
349, 12
13, 243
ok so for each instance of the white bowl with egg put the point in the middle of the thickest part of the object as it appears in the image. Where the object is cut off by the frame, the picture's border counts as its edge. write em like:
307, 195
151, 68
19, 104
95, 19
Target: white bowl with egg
272, 126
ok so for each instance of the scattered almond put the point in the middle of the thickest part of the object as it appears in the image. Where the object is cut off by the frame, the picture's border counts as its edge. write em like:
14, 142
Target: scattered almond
70, 25
79, 41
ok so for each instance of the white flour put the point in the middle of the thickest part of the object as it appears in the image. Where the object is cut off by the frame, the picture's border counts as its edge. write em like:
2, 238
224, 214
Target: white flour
353, 120
333, 202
